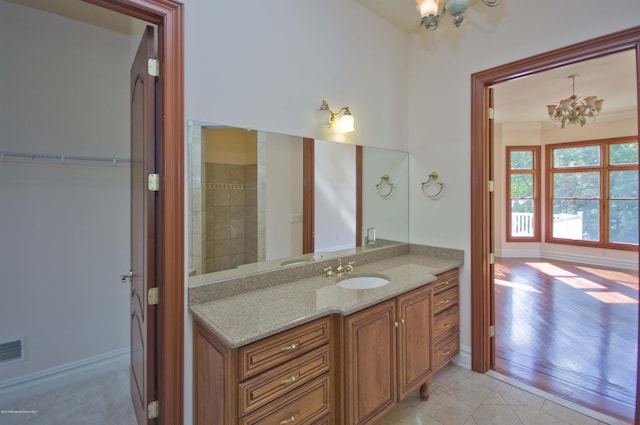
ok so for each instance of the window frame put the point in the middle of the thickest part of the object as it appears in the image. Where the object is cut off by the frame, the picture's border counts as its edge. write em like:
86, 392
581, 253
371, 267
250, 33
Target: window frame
604, 169
535, 195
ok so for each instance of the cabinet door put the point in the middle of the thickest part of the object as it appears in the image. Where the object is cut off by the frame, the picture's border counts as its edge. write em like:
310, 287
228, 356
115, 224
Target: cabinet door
414, 340
370, 363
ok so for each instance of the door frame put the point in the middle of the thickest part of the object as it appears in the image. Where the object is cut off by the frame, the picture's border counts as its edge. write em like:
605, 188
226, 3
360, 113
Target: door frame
168, 16
481, 226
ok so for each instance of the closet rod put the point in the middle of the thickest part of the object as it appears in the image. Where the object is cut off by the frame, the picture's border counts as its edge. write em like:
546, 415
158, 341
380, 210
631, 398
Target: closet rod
63, 159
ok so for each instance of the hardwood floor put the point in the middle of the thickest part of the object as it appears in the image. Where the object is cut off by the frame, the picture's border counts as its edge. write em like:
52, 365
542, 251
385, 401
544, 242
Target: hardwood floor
569, 329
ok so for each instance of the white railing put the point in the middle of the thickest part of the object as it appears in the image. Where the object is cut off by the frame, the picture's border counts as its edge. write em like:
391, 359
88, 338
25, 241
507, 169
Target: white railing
565, 226
521, 224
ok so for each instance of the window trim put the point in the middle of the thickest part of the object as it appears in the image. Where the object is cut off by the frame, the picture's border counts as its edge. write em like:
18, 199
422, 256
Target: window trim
536, 193
604, 168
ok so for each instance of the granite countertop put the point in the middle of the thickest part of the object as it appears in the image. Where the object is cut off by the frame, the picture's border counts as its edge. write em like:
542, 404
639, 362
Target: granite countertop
244, 318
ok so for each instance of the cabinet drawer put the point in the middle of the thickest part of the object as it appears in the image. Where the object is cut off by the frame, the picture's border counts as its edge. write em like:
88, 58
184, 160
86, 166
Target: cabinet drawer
445, 351
306, 405
446, 323
445, 281
444, 300
273, 351
270, 385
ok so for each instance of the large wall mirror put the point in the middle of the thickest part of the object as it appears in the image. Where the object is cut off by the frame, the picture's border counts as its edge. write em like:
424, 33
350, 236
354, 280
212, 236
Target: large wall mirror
246, 197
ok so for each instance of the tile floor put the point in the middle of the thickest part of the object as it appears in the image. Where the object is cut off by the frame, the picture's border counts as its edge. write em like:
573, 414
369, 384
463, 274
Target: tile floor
462, 397
458, 397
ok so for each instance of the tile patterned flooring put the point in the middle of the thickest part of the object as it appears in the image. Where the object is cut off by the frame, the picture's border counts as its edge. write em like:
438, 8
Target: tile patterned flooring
462, 397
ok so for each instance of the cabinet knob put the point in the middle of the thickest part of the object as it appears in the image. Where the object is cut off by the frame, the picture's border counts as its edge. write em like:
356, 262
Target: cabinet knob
290, 380
396, 324
290, 419
293, 346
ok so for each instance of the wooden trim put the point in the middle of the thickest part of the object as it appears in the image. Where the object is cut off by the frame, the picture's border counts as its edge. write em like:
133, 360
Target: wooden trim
480, 150
603, 169
308, 195
358, 195
168, 15
536, 195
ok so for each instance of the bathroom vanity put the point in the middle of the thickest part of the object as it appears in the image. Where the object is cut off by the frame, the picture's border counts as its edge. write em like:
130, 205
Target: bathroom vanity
308, 351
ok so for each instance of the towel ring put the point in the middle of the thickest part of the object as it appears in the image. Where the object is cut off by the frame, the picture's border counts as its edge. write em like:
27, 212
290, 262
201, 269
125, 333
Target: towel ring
433, 178
385, 187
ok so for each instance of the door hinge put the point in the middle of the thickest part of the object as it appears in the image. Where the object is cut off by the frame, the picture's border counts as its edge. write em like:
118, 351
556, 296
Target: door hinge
152, 409
491, 113
152, 296
153, 67
492, 331
154, 182
492, 258
492, 186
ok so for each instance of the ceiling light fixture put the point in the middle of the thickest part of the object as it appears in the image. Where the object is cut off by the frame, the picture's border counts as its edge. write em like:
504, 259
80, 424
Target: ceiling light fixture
329, 118
574, 109
432, 10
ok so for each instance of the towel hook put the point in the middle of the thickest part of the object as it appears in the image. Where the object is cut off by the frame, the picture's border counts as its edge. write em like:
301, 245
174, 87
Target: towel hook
380, 187
433, 178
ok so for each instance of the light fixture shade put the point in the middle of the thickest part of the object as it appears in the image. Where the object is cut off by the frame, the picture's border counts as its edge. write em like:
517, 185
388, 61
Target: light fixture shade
347, 123
456, 7
427, 7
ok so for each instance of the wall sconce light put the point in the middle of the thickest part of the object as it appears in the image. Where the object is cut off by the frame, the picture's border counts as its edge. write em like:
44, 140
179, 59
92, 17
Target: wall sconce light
329, 118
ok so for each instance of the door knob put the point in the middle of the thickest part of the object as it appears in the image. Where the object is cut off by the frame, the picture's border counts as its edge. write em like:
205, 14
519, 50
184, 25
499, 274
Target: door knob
124, 277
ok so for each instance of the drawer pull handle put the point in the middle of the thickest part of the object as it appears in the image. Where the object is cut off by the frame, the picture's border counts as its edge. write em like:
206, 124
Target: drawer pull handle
447, 301
446, 282
290, 347
290, 419
446, 325
288, 381
445, 353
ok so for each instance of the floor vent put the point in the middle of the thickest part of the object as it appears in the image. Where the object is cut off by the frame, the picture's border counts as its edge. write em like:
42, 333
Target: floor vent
11, 351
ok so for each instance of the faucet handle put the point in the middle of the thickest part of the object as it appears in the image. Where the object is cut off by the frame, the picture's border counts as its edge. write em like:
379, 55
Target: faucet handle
328, 271
349, 267
340, 269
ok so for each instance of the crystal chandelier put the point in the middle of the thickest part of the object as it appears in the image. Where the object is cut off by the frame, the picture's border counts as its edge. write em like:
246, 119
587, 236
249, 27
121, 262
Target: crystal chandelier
432, 10
574, 109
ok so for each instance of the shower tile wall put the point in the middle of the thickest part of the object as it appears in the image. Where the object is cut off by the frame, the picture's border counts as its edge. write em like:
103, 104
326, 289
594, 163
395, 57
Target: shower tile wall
230, 216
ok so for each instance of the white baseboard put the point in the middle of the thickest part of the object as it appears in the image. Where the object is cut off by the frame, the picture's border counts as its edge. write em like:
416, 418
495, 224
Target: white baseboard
463, 359
615, 263
49, 379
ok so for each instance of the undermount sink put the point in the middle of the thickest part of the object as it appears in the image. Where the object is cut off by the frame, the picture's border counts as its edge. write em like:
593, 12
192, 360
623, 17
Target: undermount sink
363, 281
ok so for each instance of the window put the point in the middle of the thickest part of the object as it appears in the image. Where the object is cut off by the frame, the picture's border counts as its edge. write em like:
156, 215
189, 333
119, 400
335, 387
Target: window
593, 193
523, 194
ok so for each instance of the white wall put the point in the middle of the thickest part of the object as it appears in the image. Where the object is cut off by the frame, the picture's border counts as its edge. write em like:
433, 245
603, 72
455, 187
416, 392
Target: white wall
283, 188
334, 196
269, 65
389, 216
65, 228
440, 66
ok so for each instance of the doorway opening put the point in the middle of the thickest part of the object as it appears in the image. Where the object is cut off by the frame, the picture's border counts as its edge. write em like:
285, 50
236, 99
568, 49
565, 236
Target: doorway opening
482, 243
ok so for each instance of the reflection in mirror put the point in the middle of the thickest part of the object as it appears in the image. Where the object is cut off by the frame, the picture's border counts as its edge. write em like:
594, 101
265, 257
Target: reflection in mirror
246, 196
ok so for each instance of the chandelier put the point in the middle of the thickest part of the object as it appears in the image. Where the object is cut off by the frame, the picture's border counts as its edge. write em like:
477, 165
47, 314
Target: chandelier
432, 10
574, 109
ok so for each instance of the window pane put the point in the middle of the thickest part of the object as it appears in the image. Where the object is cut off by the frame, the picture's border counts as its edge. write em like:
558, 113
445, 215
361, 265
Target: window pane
521, 186
623, 153
576, 185
623, 184
576, 157
521, 160
623, 222
576, 219
522, 218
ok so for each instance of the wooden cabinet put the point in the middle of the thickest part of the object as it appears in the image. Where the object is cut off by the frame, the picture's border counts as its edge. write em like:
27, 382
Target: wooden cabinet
446, 322
283, 379
335, 370
387, 354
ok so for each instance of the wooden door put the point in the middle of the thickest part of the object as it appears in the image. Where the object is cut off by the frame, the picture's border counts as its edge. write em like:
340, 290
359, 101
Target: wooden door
414, 340
370, 363
143, 238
